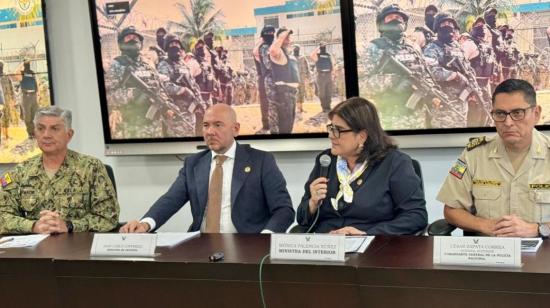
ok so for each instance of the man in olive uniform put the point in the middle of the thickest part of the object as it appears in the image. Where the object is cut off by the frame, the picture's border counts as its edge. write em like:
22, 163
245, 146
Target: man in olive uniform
282, 86
181, 87
137, 102
501, 186
29, 92
6, 87
452, 71
305, 77
60, 190
263, 67
395, 72
324, 65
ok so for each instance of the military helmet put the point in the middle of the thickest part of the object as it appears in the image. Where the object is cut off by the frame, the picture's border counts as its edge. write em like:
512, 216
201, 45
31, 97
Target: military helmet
266, 29
441, 17
394, 8
161, 29
490, 10
127, 31
171, 38
431, 7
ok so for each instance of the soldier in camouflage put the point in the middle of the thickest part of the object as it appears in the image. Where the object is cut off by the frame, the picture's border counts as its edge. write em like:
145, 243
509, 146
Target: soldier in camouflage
392, 67
305, 77
450, 67
181, 87
263, 67
59, 191
282, 85
496, 41
137, 103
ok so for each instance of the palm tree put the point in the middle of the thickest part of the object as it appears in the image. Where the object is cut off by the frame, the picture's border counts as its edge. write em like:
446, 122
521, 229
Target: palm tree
466, 11
199, 18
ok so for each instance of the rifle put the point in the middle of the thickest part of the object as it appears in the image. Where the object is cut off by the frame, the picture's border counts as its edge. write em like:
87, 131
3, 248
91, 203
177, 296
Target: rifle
472, 88
159, 103
196, 99
421, 85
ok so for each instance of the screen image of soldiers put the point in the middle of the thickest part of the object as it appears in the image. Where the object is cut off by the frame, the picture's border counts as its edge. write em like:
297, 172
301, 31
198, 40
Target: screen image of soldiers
29, 99
324, 65
511, 56
138, 104
482, 59
224, 77
397, 77
282, 85
159, 48
211, 57
205, 79
182, 89
496, 41
453, 72
423, 35
305, 77
263, 68
9, 115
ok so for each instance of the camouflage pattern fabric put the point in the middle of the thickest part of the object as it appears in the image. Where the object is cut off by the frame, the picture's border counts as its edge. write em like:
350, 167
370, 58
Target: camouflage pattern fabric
282, 107
80, 191
134, 107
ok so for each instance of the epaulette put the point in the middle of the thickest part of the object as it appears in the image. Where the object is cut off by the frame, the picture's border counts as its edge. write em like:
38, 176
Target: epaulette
475, 142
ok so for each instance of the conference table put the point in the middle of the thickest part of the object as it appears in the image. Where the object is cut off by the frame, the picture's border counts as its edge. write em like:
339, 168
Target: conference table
395, 271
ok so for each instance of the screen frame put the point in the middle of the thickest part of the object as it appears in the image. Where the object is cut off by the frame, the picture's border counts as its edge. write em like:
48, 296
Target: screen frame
350, 77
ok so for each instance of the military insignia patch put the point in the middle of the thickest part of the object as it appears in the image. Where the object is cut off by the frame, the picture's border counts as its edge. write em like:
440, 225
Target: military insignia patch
475, 142
458, 169
5, 180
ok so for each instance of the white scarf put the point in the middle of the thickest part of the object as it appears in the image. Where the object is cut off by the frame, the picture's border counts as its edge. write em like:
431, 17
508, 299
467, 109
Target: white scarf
346, 177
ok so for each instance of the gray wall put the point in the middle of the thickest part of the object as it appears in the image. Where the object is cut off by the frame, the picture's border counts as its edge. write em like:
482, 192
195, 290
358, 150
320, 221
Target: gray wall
142, 179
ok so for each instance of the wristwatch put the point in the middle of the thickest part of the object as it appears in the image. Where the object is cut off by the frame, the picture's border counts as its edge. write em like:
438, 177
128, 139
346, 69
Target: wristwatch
70, 226
544, 230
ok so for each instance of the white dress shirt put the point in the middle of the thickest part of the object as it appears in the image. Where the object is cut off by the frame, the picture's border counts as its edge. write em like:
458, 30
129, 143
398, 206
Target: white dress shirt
226, 224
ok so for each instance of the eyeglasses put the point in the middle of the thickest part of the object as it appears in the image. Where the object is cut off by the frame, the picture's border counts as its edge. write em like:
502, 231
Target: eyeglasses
516, 114
336, 131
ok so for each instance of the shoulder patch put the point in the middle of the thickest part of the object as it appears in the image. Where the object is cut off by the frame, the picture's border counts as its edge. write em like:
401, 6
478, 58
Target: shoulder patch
458, 169
475, 142
5, 180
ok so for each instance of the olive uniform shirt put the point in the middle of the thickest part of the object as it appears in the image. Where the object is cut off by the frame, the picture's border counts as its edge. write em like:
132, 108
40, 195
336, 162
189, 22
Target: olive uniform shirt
484, 177
80, 191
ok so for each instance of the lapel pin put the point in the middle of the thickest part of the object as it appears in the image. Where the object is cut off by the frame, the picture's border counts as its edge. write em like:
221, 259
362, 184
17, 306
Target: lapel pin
360, 181
247, 169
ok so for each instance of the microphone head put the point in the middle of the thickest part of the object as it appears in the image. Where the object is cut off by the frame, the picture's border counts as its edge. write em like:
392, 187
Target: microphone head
325, 160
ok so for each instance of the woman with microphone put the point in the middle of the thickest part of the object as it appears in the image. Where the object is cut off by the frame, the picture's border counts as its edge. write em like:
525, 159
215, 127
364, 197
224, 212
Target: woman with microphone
362, 184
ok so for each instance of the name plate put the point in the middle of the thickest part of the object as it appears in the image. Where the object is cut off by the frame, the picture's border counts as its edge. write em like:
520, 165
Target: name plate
310, 247
124, 245
477, 251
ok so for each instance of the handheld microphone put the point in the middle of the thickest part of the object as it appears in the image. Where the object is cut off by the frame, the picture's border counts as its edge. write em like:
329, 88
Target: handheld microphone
324, 161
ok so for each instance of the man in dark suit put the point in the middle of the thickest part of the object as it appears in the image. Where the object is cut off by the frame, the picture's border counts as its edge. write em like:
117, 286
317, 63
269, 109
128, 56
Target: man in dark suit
232, 188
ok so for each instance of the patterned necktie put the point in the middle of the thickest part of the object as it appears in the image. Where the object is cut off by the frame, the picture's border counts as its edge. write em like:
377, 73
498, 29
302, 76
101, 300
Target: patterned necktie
213, 209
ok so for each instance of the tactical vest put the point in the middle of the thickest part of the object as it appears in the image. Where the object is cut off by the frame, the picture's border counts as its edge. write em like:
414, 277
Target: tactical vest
404, 53
289, 73
324, 62
483, 63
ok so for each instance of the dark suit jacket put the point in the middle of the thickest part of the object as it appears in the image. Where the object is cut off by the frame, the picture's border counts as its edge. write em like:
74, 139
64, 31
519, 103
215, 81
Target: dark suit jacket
259, 198
387, 199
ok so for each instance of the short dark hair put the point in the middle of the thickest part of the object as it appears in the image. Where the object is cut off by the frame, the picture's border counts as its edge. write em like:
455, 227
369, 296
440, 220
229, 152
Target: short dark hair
360, 114
517, 85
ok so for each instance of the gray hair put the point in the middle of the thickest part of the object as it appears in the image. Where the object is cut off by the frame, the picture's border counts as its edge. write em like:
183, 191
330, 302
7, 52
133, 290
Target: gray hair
54, 111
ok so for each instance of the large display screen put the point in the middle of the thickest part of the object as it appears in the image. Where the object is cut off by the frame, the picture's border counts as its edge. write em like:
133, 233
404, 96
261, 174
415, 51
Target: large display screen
436, 74
24, 76
161, 63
